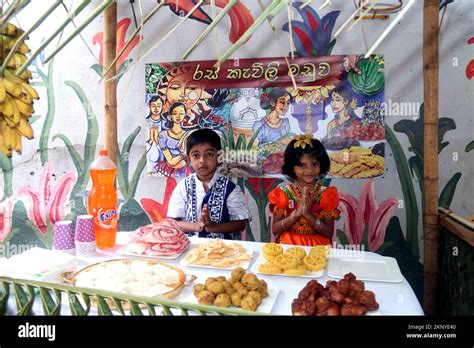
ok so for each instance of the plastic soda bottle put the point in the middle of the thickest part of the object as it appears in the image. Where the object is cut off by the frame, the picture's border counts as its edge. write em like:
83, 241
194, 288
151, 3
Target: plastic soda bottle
102, 200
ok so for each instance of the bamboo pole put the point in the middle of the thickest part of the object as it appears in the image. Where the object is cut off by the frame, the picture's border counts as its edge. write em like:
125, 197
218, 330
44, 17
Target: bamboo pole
430, 157
110, 87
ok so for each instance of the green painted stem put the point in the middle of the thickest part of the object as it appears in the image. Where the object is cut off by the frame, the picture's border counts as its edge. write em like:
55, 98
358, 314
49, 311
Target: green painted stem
7, 169
49, 119
406, 182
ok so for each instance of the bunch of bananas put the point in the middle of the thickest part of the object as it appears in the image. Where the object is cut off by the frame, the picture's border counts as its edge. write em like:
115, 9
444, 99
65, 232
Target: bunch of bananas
16, 93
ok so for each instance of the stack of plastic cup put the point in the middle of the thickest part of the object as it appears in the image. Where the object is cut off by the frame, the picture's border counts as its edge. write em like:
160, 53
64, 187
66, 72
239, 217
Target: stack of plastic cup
85, 238
64, 237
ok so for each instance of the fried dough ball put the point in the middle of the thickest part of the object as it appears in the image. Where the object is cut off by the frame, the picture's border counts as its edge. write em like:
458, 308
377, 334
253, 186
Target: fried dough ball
216, 288
302, 308
222, 300
197, 289
256, 296
334, 310
237, 285
357, 286
353, 310
209, 281
243, 291
206, 297
221, 279
235, 298
367, 298
250, 281
230, 290
343, 286
248, 303
237, 273
263, 289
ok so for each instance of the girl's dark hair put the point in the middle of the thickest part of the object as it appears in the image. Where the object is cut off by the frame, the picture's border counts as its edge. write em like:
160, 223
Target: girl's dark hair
293, 156
203, 136
266, 103
154, 99
346, 94
169, 117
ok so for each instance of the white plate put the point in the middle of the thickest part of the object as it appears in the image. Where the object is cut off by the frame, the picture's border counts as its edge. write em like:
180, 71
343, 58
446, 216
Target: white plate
265, 307
261, 260
124, 251
382, 269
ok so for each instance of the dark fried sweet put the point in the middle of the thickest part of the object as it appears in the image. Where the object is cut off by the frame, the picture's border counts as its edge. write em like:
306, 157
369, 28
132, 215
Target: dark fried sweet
237, 273
353, 310
216, 288
206, 297
334, 310
235, 299
357, 285
343, 286
349, 276
222, 300
322, 304
197, 289
303, 308
335, 295
256, 296
248, 303
367, 298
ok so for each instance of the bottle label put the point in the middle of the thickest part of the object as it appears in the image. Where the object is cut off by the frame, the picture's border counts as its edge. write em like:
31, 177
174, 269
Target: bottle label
106, 217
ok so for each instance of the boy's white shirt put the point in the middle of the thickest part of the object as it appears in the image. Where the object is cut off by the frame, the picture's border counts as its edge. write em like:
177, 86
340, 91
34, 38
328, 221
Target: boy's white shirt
236, 202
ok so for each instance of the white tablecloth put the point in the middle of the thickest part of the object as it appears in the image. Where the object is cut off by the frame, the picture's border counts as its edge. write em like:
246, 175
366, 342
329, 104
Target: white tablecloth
393, 298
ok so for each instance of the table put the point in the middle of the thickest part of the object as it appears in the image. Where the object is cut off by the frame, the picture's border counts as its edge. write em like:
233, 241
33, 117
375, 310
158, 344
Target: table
393, 298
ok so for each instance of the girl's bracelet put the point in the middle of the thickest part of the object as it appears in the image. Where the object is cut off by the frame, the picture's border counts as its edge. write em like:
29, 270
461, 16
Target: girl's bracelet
318, 224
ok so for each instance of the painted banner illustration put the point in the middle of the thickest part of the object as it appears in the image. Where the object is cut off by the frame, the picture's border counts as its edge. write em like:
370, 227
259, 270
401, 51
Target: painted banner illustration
258, 105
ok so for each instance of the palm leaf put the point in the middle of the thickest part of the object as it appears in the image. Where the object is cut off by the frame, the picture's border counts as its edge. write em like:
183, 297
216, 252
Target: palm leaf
446, 197
49, 118
136, 175
409, 196
470, 146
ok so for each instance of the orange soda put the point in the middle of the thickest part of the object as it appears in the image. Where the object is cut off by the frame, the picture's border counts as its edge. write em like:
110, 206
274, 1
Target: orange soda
102, 201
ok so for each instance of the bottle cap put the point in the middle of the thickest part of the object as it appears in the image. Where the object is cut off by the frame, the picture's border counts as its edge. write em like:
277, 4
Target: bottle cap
103, 153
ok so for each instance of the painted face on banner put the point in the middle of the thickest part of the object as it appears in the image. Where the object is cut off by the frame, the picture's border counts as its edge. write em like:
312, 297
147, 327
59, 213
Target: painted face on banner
337, 103
178, 114
282, 105
182, 89
156, 107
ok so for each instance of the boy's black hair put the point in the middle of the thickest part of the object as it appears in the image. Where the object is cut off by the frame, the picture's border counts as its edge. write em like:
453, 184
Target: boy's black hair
203, 136
293, 156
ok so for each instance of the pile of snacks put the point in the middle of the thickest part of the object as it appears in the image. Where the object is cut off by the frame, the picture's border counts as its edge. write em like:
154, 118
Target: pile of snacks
346, 297
216, 253
293, 261
242, 290
357, 163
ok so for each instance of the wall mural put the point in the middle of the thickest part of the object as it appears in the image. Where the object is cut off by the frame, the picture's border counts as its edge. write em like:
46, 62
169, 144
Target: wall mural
256, 110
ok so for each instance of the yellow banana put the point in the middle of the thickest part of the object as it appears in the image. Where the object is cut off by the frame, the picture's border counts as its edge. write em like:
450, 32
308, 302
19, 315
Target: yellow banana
24, 84
25, 109
17, 60
9, 30
12, 87
25, 75
17, 145
3, 146
24, 128
25, 97
8, 136
15, 113
9, 42
3, 91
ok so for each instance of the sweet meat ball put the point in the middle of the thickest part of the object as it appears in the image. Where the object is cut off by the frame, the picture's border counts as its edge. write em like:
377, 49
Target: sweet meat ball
206, 297
197, 289
209, 281
256, 296
235, 298
237, 273
216, 288
222, 300
248, 303
237, 285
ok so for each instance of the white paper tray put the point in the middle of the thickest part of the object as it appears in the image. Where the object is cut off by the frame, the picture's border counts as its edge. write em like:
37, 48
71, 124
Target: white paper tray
381, 269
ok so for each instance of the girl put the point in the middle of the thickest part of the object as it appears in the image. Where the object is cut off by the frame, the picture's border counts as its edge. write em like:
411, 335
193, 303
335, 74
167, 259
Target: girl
171, 143
273, 127
304, 211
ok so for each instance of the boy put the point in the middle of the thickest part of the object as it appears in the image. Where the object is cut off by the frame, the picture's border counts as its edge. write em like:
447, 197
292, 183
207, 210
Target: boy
207, 202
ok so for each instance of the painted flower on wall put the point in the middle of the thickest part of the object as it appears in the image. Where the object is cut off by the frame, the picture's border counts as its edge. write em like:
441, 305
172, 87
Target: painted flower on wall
123, 62
47, 203
240, 17
312, 35
366, 215
470, 65
6, 212
157, 211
